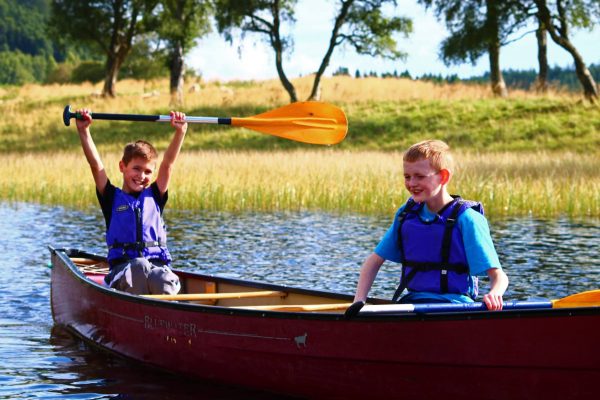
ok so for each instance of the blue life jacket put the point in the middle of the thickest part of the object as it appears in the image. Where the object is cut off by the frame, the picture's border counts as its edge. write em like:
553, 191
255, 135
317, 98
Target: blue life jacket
136, 229
433, 253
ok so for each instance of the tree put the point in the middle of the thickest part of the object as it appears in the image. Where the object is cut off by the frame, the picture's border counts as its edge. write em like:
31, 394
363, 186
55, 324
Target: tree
262, 17
557, 21
541, 33
477, 27
180, 22
358, 23
22, 27
111, 25
362, 25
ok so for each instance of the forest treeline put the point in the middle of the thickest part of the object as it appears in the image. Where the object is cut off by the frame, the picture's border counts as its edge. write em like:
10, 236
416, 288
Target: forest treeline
558, 77
60, 41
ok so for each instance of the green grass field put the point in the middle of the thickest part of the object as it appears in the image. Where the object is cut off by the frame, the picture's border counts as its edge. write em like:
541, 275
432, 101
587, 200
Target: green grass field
526, 155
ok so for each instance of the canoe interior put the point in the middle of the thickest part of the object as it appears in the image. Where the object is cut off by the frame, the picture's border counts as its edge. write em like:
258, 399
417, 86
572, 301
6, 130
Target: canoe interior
223, 292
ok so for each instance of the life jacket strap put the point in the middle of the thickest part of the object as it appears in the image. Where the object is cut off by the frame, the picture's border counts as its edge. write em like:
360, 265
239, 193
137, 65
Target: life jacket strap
404, 279
136, 245
447, 243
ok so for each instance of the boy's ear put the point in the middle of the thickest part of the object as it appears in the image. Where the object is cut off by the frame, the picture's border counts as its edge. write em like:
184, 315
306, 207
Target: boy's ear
445, 175
121, 165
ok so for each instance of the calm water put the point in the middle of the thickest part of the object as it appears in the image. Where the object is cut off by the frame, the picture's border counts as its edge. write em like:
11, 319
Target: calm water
543, 259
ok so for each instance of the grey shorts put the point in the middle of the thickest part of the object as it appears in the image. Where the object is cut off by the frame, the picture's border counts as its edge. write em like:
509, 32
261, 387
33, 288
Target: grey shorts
140, 276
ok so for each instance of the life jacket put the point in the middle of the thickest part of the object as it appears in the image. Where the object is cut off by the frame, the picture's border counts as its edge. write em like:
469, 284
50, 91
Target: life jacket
433, 254
136, 229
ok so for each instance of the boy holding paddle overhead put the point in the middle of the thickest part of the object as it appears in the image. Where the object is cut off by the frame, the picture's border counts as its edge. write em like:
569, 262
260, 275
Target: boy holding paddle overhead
135, 232
442, 241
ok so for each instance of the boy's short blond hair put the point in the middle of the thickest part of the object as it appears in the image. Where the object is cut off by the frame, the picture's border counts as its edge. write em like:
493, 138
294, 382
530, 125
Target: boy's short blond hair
436, 151
139, 149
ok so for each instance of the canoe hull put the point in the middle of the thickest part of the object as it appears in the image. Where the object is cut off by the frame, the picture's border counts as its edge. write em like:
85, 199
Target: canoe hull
522, 354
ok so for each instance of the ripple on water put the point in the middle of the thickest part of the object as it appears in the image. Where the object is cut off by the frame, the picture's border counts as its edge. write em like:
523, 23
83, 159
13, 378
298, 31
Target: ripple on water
547, 259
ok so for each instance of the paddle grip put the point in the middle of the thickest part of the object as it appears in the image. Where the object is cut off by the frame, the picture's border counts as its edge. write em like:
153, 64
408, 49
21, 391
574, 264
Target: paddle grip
68, 114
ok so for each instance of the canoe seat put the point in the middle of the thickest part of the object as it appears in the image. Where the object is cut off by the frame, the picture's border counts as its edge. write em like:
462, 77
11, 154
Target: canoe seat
98, 278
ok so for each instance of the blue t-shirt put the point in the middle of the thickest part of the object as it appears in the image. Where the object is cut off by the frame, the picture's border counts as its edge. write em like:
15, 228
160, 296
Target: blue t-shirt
479, 248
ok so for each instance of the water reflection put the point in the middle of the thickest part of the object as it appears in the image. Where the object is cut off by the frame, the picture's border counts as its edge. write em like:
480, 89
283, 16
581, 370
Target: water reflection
542, 258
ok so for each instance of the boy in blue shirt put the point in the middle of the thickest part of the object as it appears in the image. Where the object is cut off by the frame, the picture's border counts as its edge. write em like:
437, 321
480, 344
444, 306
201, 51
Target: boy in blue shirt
442, 241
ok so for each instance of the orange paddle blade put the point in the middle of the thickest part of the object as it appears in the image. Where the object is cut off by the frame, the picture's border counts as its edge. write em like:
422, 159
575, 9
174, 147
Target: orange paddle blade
308, 122
590, 298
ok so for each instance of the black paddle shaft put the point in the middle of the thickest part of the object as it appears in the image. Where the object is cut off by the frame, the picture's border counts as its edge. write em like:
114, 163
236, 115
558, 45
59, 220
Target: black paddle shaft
67, 115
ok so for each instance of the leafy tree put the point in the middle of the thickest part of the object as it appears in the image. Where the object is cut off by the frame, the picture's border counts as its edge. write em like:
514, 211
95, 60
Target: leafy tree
557, 19
477, 27
17, 68
358, 23
180, 22
144, 61
23, 27
111, 25
263, 17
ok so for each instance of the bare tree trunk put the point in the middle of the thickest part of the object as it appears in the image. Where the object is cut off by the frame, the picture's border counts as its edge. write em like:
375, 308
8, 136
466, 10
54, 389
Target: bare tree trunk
177, 65
289, 87
560, 36
541, 84
315, 93
123, 31
277, 45
113, 64
497, 81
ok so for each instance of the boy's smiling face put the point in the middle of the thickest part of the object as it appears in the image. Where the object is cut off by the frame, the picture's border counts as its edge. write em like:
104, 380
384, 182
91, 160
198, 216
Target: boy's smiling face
422, 181
137, 174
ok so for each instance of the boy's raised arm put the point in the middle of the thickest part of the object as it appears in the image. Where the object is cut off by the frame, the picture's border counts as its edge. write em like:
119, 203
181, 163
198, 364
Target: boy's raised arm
165, 169
90, 151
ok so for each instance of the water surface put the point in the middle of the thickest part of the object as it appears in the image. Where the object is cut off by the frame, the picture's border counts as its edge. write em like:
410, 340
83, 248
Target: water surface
323, 251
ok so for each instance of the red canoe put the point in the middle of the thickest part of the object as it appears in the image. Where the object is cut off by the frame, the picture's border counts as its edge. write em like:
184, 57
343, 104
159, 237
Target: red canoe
297, 342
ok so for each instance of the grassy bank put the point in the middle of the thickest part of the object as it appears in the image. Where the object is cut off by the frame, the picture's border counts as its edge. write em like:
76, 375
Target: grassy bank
523, 155
539, 184
383, 114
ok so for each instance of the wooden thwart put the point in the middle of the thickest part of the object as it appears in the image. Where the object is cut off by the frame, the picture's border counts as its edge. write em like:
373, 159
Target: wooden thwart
216, 296
300, 307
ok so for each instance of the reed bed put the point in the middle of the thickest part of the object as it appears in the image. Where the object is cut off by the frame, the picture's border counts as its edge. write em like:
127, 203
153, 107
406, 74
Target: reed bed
41, 160
542, 185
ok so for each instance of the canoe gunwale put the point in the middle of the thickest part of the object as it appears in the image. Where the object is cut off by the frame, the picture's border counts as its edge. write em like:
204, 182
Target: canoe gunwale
64, 255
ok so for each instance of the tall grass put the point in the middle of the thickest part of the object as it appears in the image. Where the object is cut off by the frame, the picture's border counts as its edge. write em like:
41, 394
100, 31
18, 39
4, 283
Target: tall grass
539, 184
524, 155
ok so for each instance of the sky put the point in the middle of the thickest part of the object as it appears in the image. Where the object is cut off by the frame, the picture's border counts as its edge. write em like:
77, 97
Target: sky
252, 59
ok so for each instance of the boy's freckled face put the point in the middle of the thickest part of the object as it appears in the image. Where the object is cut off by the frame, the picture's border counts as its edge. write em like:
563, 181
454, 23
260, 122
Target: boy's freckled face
421, 180
137, 174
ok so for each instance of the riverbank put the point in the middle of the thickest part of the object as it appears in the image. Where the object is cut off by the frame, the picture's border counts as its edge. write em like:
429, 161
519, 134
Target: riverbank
525, 155
383, 114
541, 184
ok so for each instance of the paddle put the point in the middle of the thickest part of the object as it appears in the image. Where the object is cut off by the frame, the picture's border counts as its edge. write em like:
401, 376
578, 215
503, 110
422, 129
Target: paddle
584, 299
308, 122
